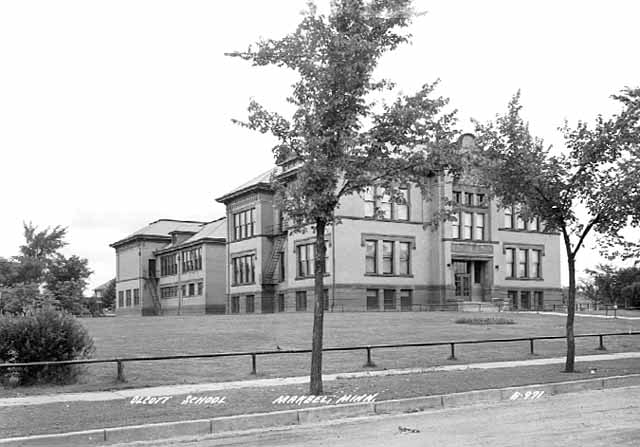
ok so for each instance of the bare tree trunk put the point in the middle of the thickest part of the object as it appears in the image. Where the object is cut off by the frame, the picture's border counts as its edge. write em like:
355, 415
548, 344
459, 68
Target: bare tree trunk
318, 310
571, 310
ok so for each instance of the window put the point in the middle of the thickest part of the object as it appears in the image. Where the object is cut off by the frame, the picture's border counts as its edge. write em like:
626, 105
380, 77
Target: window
372, 299
538, 300
200, 287
192, 259
388, 209
244, 269
510, 255
243, 224
401, 210
508, 217
455, 226
184, 290
281, 302
525, 300
128, 299
512, 297
301, 301
406, 299
457, 196
168, 265
306, 258
468, 198
325, 299
282, 267
192, 289
462, 278
120, 298
536, 271
520, 223
235, 304
479, 227
371, 256
467, 226
387, 257
389, 299
477, 272
250, 301
405, 261
534, 225
480, 199
168, 292
523, 263
136, 297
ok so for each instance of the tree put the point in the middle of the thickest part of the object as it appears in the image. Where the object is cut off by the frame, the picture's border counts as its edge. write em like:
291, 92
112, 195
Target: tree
593, 188
109, 295
340, 140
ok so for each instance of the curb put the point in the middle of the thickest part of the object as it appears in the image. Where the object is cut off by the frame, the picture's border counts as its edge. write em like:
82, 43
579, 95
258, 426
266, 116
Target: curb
206, 427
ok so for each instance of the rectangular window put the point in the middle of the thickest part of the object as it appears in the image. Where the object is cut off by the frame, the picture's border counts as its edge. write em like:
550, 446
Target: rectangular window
371, 256
467, 227
385, 204
184, 290
244, 269
455, 226
136, 297
479, 227
372, 299
523, 263
192, 259
169, 265
406, 299
235, 304
282, 267
120, 298
200, 287
508, 217
480, 198
387, 257
301, 301
538, 300
536, 270
457, 196
525, 300
244, 224
192, 289
477, 272
401, 210
535, 224
468, 198
306, 258
281, 302
250, 301
369, 202
128, 300
168, 292
405, 261
512, 297
325, 299
389, 299
510, 262
520, 223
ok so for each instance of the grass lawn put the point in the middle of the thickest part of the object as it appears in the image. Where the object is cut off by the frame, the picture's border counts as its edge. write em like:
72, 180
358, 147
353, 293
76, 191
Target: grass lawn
70, 416
138, 336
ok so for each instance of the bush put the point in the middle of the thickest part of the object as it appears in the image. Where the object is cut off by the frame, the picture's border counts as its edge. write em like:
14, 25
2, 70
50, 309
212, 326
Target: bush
46, 335
478, 320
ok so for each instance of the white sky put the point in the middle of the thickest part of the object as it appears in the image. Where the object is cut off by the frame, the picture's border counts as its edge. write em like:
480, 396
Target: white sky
116, 113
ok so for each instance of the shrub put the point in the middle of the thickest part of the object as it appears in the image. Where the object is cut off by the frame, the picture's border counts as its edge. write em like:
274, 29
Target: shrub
479, 320
46, 335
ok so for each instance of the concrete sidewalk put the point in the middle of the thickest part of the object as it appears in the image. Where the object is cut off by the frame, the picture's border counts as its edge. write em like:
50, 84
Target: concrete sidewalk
617, 317
172, 390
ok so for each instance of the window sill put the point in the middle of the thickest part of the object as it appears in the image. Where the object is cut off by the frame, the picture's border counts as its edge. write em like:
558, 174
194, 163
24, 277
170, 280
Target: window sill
387, 220
243, 284
301, 278
524, 279
389, 275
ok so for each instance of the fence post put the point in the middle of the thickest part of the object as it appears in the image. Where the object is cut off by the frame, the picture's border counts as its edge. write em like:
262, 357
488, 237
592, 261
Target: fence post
601, 347
453, 351
531, 346
120, 377
253, 364
369, 363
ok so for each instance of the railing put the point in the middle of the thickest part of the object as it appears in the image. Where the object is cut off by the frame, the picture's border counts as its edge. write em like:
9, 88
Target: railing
368, 348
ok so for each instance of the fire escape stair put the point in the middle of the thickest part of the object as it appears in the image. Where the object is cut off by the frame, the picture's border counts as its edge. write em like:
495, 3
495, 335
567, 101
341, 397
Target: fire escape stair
152, 285
269, 276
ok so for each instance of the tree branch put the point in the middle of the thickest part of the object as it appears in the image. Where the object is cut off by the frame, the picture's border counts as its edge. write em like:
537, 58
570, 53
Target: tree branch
585, 232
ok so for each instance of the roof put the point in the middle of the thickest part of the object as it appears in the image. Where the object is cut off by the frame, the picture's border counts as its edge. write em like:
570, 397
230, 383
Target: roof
103, 286
160, 229
262, 180
213, 230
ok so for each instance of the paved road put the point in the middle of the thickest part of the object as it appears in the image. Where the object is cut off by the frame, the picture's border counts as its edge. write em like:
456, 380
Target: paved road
592, 418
